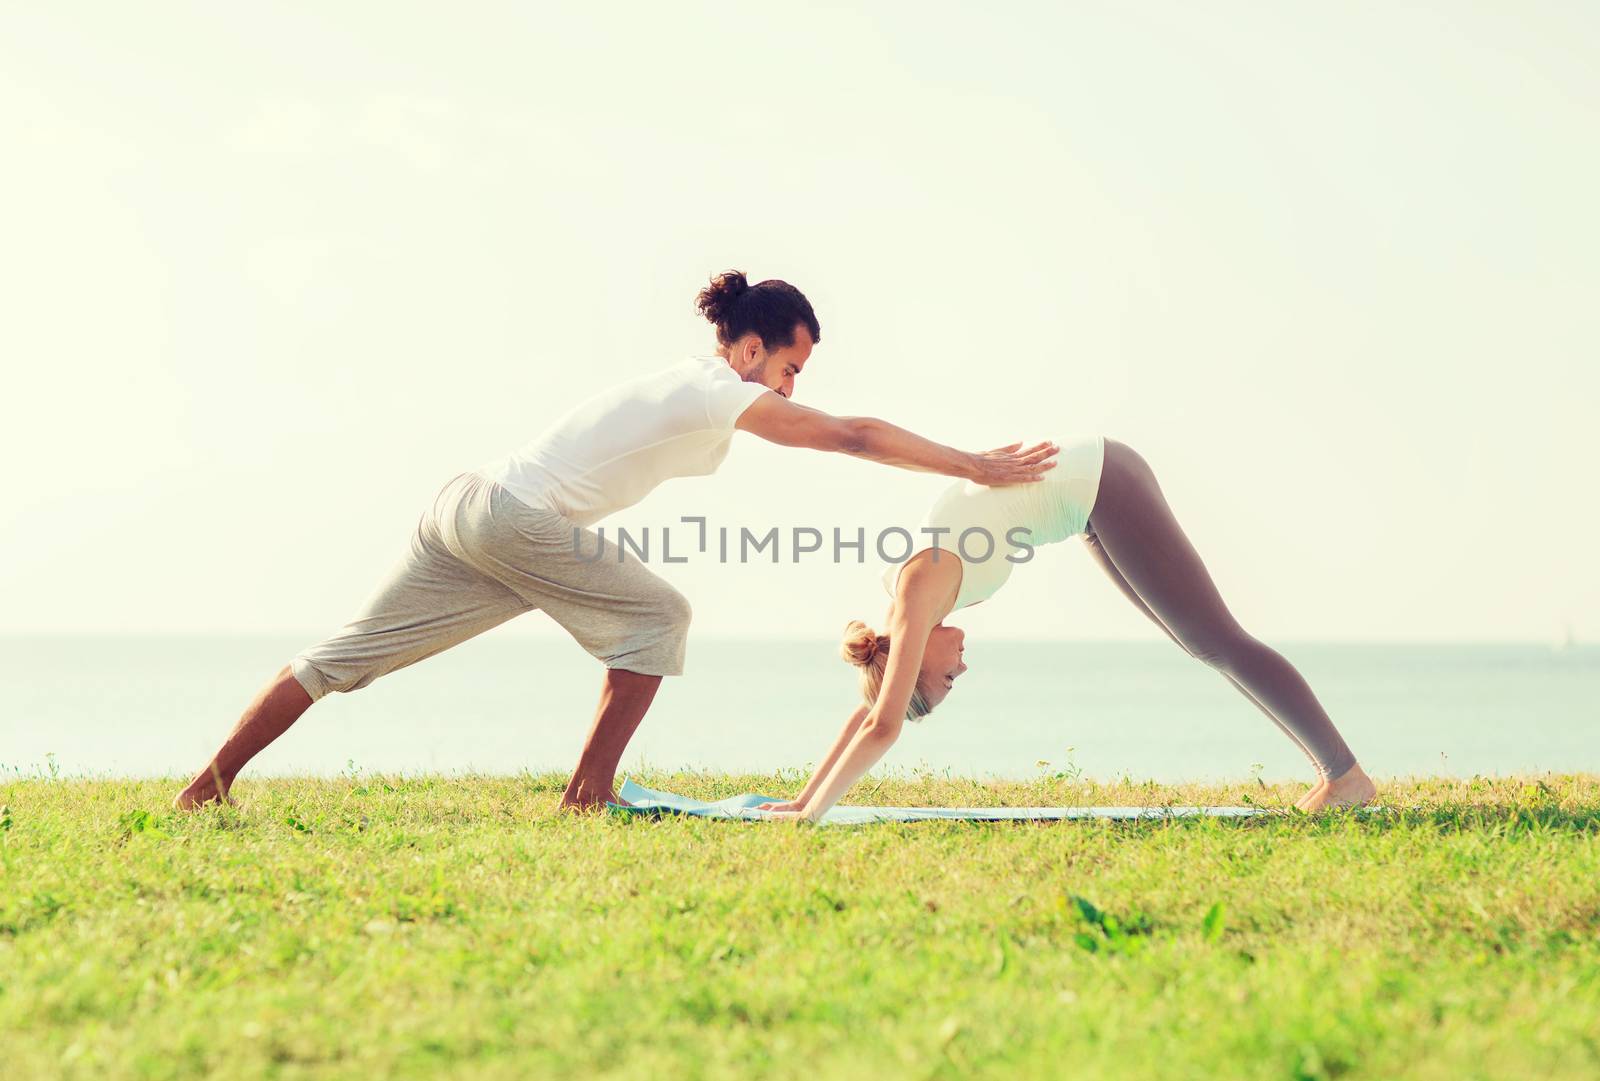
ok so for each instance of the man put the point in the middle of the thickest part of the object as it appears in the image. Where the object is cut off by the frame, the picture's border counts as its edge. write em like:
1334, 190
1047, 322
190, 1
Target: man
513, 536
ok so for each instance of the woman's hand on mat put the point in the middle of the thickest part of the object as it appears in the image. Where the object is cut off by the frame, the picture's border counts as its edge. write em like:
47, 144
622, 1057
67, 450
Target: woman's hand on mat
787, 805
790, 816
1012, 465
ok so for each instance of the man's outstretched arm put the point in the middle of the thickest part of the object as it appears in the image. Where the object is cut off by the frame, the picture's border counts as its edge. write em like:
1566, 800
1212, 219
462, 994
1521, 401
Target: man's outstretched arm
778, 420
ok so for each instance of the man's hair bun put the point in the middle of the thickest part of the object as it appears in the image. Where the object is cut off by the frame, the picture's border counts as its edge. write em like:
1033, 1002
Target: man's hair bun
771, 310
717, 299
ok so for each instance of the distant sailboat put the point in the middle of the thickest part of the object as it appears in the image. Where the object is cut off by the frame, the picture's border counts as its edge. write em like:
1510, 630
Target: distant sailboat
1566, 641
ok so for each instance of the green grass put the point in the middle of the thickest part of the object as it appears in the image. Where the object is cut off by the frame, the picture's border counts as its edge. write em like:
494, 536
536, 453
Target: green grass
388, 927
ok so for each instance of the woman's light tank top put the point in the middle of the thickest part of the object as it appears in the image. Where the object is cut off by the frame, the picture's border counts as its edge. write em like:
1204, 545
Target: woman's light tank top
980, 520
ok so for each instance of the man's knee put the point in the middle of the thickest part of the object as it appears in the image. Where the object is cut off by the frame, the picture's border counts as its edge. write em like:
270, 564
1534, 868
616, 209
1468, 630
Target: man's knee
654, 639
670, 616
673, 610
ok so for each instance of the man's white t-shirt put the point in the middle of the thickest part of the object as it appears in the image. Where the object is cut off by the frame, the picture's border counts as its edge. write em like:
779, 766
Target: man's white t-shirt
613, 449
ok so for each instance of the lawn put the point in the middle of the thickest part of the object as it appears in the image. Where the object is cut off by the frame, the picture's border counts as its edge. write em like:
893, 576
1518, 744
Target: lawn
373, 926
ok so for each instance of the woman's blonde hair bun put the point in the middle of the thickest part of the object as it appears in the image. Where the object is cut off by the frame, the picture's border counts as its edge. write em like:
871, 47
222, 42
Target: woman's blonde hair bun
869, 651
861, 644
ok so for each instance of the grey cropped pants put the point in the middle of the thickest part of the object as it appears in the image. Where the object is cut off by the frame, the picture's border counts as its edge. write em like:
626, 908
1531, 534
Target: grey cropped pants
480, 556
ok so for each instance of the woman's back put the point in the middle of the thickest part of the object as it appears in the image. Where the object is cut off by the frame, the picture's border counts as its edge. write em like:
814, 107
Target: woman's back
992, 529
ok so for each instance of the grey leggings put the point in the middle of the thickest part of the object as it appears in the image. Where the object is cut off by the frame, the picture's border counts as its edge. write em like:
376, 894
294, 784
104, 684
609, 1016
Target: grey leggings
1133, 535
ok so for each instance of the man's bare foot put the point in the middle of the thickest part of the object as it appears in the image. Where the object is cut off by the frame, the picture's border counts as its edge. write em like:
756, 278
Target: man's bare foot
207, 787
582, 795
1352, 789
579, 806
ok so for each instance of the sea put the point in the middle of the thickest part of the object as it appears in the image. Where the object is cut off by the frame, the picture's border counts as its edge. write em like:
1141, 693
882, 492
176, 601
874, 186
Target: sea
152, 705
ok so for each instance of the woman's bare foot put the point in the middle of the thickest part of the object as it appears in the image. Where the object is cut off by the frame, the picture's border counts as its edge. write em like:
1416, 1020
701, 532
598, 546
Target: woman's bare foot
1352, 789
207, 787
1314, 792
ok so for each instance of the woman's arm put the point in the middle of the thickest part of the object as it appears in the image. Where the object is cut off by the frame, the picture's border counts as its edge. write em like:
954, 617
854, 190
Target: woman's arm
821, 771
922, 598
778, 420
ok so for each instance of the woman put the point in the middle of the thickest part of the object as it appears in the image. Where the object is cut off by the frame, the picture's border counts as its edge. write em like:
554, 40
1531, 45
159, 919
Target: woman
1104, 491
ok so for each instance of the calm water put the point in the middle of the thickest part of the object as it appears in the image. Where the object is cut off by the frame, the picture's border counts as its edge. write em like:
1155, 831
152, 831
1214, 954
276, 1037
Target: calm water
158, 705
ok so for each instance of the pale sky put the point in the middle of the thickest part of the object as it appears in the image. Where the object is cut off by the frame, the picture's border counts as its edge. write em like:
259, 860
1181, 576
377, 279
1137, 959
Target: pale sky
272, 275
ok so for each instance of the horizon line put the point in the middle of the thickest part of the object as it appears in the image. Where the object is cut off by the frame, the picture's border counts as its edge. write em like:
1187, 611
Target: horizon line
1554, 643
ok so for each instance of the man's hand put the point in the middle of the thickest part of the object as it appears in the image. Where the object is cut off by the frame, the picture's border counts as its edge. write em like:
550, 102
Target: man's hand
1010, 465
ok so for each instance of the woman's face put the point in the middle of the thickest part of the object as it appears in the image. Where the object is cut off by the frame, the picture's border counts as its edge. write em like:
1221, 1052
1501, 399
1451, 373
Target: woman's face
942, 663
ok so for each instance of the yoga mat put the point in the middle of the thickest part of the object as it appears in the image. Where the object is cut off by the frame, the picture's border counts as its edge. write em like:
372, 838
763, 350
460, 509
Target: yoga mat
650, 802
